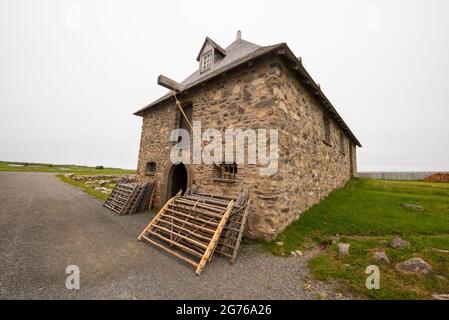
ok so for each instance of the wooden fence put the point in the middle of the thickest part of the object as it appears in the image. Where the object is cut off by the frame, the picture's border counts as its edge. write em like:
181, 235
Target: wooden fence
395, 175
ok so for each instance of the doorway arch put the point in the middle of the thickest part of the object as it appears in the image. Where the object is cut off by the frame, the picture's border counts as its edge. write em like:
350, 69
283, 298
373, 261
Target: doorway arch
177, 180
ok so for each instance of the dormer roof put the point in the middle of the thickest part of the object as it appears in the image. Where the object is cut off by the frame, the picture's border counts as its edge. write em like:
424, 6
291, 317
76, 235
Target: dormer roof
217, 48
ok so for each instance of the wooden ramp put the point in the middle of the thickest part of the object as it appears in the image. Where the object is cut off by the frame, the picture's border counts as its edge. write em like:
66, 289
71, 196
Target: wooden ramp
231, 237
193, 226
188, 228
129, 198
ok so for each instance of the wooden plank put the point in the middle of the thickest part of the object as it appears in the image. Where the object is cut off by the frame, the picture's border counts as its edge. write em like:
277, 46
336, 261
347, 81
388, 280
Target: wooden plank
212, 223
201, 205
210, 202
193, 241
215, 195
242, 229
193, 263
189, 223
155, 218
177, 244
199, 211
211, 247
190, 232
169, 83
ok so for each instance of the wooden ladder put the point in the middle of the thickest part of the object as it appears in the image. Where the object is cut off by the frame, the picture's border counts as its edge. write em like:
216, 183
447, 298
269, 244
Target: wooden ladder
130, 198
189, 228
231, 237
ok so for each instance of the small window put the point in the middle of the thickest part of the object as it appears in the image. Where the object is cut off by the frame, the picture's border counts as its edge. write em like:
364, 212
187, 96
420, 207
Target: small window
206, 60
342, 142
327, 129
150, 168
227, 171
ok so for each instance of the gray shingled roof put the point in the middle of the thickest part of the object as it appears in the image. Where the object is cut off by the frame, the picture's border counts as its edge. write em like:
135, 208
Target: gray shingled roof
236, 53
242, 51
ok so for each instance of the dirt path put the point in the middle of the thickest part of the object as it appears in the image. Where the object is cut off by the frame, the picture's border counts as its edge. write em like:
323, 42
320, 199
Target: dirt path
46, 225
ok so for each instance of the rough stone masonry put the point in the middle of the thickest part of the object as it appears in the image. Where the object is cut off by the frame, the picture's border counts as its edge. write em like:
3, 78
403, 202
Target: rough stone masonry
249, 86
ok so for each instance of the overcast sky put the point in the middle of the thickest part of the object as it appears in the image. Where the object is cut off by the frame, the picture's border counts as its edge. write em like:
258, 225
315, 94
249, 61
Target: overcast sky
73, 72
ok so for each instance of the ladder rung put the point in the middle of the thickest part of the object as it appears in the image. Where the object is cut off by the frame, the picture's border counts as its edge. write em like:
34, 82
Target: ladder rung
180, 256
188, 223
190, 232
194, 217
179, 245
193, 241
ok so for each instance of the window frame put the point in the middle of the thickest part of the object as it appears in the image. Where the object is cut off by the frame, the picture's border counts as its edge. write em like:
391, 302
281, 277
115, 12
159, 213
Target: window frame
326, 130
342, 142
209, 55
226, 171
150, 168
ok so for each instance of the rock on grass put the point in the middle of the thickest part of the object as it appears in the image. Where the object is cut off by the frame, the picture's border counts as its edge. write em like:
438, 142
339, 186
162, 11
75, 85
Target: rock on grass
343, 248
398, 242
381, 256
414, 266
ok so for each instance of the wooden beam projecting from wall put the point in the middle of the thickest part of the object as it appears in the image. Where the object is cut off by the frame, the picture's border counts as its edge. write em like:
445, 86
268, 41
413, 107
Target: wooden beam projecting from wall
169, 83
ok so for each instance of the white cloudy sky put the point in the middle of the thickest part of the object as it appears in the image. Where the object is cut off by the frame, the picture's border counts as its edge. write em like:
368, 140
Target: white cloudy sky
73, 72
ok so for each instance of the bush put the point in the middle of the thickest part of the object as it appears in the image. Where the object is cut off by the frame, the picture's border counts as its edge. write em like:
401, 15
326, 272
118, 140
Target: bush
99, 167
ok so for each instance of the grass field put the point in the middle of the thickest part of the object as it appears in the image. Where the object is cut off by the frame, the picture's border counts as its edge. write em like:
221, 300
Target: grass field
87, 189
65, 169
366, 213
58, 168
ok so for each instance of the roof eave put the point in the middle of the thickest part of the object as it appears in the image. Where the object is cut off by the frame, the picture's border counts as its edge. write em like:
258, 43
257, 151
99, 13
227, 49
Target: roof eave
298, 66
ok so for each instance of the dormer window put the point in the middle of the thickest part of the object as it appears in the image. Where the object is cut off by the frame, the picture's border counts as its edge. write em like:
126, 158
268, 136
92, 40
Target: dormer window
209, 54
206, 60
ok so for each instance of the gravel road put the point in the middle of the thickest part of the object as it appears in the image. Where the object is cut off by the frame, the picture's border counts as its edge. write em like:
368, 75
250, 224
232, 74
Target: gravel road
46, 225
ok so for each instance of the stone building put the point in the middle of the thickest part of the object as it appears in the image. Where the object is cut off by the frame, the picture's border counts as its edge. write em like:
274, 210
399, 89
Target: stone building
249, 86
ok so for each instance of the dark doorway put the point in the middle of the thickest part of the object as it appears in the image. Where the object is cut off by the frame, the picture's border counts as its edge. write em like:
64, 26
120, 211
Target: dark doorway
177, 179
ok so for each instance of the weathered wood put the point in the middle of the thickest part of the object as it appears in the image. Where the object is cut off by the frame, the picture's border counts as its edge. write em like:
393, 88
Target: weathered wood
242, 229
155, 218
202, 211
201, 204
177, 244
193, 241
188, 223
181, 228
180, 256
129, 198
209, 201
211, 247
212, 223
169, 83
191, 225
198, 206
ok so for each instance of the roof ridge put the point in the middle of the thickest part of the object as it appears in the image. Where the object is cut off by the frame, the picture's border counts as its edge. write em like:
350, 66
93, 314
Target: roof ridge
240, 40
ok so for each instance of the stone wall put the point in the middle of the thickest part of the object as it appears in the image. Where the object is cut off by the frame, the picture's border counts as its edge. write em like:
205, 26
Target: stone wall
264, 95
310, 167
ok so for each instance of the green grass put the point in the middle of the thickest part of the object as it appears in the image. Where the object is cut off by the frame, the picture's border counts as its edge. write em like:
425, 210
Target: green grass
82, 184
65, 169
365, 212
58, 168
